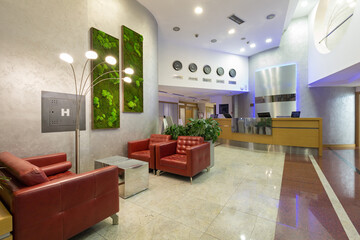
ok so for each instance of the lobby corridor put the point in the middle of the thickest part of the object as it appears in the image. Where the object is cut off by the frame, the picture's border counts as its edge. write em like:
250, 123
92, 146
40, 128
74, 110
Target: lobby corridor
246, 195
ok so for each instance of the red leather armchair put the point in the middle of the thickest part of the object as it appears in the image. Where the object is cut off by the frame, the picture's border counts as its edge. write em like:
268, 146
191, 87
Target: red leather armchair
49, 202
187, 156
144, 149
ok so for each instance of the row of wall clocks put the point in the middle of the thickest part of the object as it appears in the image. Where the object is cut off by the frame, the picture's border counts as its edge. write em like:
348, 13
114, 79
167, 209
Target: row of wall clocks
177, 65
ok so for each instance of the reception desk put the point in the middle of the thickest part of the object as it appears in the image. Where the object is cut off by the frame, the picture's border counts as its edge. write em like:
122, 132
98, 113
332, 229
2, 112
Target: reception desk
297, 132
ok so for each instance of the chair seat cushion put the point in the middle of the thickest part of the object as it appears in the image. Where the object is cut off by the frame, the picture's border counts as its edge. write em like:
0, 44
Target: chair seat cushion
175, 161
141, 155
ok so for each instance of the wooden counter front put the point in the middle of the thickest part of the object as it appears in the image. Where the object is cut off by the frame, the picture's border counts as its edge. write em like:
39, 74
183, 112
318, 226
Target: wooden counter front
297, 132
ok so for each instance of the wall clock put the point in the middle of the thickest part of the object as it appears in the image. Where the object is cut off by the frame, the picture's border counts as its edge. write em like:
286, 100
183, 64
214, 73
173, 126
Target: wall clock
192, 67
177, 65
207, 69
220, 71
232, 73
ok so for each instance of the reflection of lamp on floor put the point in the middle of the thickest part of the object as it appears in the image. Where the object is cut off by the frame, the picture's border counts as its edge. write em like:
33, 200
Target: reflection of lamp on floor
81, 90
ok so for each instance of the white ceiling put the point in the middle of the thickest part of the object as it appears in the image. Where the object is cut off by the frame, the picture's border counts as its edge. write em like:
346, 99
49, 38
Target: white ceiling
213, 23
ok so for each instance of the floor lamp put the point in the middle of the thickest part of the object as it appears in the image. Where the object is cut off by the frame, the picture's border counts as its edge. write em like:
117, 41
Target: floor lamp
81, 90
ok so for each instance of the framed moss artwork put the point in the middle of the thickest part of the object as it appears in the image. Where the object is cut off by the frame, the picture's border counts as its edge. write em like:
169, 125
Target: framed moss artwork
105, 95
132, 56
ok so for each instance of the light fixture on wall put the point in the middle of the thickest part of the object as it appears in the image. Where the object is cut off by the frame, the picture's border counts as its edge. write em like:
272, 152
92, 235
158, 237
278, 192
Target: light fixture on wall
82, 89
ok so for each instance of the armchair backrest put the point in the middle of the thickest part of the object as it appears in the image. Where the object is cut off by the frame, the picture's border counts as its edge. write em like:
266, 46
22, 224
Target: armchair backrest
158, 138
184, 142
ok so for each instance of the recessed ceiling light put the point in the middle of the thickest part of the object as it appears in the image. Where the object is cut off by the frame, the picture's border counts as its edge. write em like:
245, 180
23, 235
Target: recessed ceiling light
304, 3
198, 10
268, 40
270, 16
252, 45
242, 49
213, 40
231, 31
176, 29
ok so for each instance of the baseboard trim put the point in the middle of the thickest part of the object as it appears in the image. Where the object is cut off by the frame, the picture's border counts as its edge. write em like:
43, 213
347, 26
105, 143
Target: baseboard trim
339, 145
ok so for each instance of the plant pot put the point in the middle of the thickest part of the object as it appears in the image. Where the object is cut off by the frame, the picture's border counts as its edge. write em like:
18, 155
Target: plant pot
268, 130
211, 153
261, 130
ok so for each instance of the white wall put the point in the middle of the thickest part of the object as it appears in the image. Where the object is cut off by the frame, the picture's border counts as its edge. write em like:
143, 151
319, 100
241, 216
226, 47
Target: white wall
346, 54
33, 34
335, 105
168, 53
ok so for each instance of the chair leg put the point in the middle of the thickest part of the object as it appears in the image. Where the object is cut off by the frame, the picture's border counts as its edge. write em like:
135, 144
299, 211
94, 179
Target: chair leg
208, 169
154, 171
190, 180
115, 219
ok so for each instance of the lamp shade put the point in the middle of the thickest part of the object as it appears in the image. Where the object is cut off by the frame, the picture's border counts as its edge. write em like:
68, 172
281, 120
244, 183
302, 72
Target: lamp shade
66, 58
110, 60
127, 79
129, 71
91, 55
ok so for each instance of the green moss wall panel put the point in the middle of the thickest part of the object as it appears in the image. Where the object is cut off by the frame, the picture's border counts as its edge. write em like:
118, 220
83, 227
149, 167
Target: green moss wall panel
132, 53
105, 94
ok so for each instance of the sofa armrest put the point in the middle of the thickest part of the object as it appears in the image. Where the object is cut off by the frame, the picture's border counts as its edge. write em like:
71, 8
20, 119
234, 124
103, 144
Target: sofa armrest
45, 160
82, 199
138, 145
199, 157
56, 168
166, 149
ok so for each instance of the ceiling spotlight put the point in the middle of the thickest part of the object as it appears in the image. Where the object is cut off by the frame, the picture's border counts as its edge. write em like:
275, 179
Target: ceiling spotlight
268, 40
242, 49
252, 45
176, 29
304, 3
213, 40
231, 31
198, 10
270, 16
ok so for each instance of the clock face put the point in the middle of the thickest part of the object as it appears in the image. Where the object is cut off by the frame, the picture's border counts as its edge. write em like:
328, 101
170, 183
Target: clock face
207, 69
177, 65
232, 73
192, 67
220, 71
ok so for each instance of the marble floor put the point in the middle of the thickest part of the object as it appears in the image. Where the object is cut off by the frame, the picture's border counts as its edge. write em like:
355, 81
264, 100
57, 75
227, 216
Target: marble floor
248, 194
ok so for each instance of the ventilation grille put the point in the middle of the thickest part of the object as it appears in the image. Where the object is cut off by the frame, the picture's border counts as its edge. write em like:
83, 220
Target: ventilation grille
162, 91
236, 19
178, 94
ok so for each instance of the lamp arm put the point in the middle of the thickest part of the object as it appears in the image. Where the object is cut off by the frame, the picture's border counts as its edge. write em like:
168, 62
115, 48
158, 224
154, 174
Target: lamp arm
82, 75
73, 70
87, 77
113, 71
93, 85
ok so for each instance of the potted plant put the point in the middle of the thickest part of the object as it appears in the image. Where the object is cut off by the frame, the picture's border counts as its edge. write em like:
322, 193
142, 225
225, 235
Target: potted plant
175, 131
268, 126
208, 128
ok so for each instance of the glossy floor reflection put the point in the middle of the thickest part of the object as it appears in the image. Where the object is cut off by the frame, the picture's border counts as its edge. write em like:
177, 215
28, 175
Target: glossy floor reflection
305, 210
248, 194
339, 167
237, 199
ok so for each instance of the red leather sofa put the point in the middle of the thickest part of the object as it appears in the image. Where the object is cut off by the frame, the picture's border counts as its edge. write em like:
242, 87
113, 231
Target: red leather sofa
49, 202
187, 156
144, 149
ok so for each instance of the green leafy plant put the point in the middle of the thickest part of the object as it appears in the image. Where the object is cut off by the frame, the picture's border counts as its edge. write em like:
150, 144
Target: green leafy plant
108, 96
112, 118
96, 102
175, 131
100, 118
208, 128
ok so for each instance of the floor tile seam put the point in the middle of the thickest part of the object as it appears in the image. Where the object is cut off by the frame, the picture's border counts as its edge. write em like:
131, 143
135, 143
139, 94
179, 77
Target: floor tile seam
172, 219
335, 202
345, 161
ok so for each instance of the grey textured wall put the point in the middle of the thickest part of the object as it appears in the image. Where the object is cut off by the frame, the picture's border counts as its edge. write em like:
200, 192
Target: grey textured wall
336, 105
33, 34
